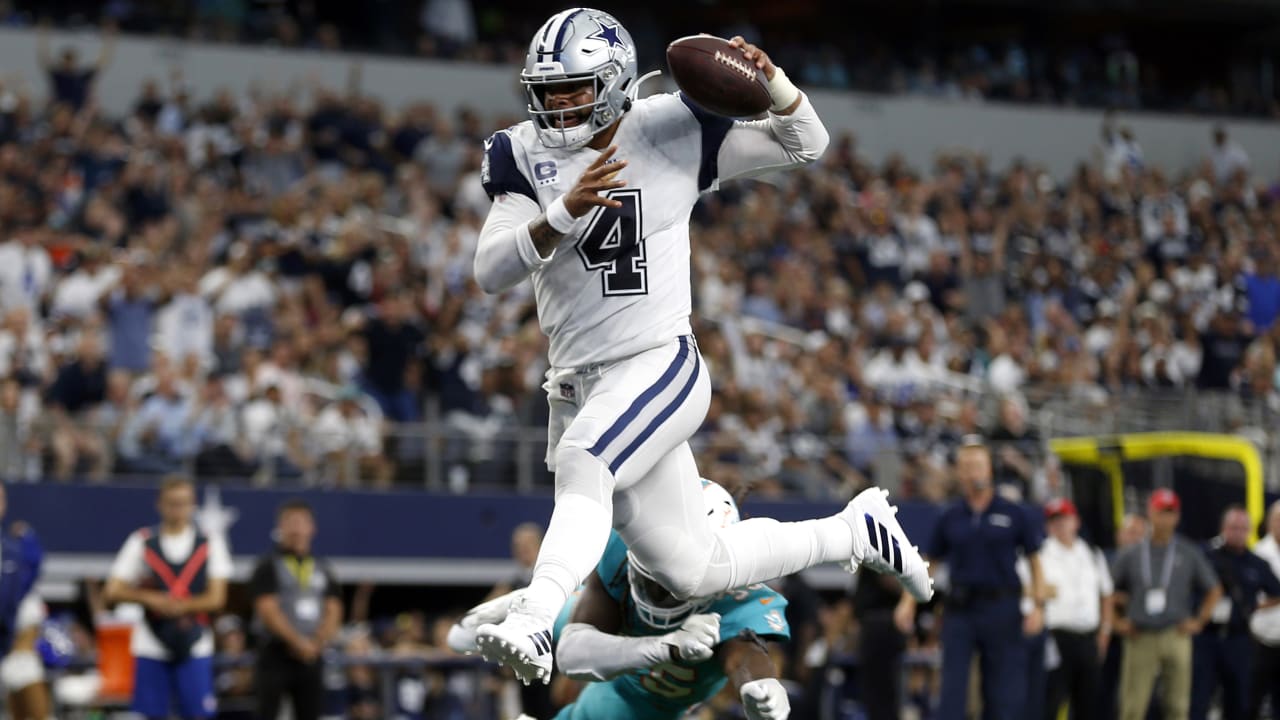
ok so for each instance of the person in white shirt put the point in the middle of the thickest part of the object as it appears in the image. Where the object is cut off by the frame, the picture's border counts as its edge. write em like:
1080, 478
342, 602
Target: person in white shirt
1265, 626
1227, 156
179, 577
1077, 613
26, 271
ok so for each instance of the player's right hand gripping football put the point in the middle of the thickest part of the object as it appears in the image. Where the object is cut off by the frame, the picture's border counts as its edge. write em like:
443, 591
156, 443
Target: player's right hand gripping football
696, 639
599, 178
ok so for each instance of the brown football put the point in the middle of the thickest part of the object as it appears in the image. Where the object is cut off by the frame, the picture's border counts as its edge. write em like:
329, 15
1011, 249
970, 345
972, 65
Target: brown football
717, 77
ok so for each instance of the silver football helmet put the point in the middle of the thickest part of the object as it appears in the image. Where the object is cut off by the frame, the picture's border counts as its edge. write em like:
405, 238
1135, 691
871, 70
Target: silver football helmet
578, 46
657, 607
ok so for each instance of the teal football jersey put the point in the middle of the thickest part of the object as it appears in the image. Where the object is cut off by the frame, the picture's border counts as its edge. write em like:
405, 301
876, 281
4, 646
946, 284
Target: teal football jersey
665, 691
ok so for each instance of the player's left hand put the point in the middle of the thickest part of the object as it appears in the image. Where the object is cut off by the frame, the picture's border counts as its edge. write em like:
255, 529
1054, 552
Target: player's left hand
765, 700
755, 54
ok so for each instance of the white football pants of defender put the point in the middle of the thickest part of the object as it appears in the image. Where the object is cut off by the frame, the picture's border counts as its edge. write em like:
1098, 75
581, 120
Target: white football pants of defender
618, 433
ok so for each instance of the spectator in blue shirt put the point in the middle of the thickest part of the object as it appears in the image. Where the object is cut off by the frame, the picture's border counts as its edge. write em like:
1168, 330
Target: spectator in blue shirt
158, 436
1262, 287
131, 311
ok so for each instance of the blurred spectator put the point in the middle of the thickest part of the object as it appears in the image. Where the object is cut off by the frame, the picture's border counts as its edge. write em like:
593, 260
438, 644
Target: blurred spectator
349, 443
1225, 342
26, 272
298, 611
233, 684
1154, 583
980, 537
78, 294
1226, 156
1223, 653
392, 350
71, 82
881, 643
1017, 447
79, 388
1264, 681
21, 442
271, 435
363, 693
215, 427
526, 540
1077, 613
450, 24
130, 311
184, 325
1262, 289
23, 352
178, 575
155, 439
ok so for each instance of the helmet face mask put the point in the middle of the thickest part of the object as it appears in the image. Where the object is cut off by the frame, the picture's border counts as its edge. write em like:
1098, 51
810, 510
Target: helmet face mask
573, 48
655, 606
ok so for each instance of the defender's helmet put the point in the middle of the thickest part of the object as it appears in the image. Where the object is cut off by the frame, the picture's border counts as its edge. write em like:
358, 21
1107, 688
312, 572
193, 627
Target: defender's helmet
576, 46
657, 607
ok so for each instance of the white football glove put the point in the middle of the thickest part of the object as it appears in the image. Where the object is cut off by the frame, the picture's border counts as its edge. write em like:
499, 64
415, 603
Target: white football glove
462, 636
765, 700
697, 638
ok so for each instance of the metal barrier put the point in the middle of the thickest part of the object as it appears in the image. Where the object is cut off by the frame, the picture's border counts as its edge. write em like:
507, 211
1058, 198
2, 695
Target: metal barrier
455, 451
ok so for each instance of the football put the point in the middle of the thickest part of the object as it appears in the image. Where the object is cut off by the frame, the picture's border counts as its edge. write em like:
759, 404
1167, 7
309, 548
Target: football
717, 76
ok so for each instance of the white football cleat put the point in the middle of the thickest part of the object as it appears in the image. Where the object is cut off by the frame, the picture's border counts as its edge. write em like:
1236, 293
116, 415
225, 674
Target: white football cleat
882, 546
521, 642
462, 636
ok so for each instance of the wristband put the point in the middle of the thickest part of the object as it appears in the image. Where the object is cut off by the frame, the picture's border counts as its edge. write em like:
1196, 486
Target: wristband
782, 90
558, 216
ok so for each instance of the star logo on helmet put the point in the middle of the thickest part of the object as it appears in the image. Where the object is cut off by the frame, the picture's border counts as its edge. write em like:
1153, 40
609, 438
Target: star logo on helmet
607, 33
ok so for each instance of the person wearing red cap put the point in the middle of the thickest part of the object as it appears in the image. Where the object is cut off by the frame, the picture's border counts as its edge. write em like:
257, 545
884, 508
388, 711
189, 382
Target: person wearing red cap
1077, 613
1156, 581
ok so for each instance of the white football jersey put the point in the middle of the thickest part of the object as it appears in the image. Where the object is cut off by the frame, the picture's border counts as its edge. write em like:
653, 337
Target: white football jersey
619, 283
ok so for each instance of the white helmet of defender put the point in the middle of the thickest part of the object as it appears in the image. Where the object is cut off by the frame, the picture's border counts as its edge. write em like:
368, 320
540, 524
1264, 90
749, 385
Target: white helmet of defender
576, 46
658, 608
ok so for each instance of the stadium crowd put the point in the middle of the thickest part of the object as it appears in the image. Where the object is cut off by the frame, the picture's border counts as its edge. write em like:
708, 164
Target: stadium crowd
265, 285
1045, 63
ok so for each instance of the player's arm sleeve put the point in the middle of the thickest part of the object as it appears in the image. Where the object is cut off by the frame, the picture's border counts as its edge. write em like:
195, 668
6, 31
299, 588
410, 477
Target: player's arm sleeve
505, 254
779, 142
586, 653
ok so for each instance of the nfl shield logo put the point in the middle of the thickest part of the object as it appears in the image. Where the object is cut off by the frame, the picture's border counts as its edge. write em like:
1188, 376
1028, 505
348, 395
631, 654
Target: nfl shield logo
566, 391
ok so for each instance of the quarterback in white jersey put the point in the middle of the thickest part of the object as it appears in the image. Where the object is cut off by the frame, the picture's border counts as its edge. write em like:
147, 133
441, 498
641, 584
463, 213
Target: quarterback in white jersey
592, 197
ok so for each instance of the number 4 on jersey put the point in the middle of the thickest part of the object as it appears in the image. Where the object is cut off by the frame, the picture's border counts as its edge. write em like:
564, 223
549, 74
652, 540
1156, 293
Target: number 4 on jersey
613, 243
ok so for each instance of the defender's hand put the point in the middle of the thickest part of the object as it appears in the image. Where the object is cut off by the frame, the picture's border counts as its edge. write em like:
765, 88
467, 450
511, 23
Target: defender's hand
697, 638
765, 700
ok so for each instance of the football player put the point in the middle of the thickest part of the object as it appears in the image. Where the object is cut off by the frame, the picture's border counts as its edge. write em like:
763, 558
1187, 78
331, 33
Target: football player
649, 656
592, 196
